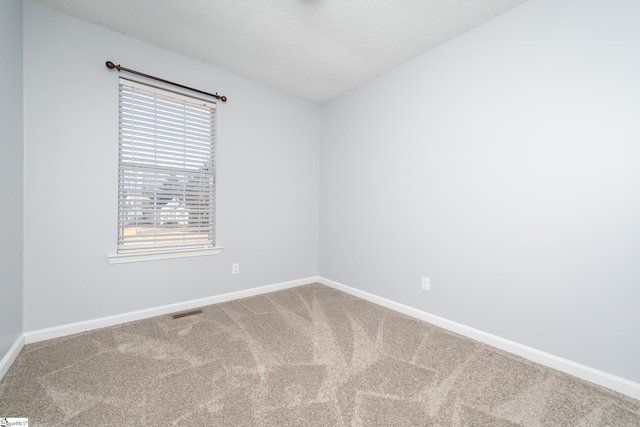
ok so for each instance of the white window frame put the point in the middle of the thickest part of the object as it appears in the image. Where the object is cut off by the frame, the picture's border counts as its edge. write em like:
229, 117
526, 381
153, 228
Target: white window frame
158, 169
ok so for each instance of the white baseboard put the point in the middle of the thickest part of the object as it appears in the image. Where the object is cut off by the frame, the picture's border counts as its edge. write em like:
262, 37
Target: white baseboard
103, 322
621, 385
11, 355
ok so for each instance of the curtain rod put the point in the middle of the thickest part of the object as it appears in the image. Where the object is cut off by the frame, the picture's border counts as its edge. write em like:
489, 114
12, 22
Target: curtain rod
111, 66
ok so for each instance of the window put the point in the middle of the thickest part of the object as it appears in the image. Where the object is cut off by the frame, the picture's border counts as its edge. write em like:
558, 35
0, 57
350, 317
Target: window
166, 178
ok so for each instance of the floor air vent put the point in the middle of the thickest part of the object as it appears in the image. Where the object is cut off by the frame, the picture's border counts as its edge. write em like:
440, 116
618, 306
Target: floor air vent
186, 313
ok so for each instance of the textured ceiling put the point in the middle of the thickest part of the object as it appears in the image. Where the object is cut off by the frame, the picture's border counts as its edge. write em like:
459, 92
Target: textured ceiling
314, 49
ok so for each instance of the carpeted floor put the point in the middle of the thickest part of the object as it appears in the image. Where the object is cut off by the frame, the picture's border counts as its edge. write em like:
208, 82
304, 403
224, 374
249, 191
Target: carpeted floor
307, 356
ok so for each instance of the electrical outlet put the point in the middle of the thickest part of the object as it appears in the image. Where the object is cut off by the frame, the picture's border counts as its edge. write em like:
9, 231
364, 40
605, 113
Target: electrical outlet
235, 268
425, 283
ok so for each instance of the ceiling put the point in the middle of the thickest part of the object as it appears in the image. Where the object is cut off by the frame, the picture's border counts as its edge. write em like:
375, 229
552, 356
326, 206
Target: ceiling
313, 49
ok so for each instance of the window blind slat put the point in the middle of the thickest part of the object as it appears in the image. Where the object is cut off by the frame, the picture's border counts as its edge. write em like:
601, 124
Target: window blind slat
160, 159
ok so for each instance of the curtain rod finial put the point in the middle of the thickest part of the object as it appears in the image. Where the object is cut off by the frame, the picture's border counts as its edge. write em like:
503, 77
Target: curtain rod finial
111, 65
223, 98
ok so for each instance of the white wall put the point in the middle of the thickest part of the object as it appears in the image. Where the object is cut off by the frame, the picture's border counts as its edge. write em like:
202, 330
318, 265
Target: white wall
505, 166
11, 174
267, 194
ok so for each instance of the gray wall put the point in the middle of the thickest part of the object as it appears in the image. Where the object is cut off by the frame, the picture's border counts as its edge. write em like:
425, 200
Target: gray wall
11, 174
504, 165
267, 194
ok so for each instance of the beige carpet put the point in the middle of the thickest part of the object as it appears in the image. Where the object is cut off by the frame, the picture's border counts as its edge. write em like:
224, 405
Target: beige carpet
308, 356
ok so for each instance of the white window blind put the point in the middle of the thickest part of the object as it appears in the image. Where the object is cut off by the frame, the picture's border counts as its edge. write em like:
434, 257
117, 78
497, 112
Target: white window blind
166, 181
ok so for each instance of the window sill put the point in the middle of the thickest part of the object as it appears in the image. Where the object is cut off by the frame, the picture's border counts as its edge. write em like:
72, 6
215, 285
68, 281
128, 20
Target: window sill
154, 256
